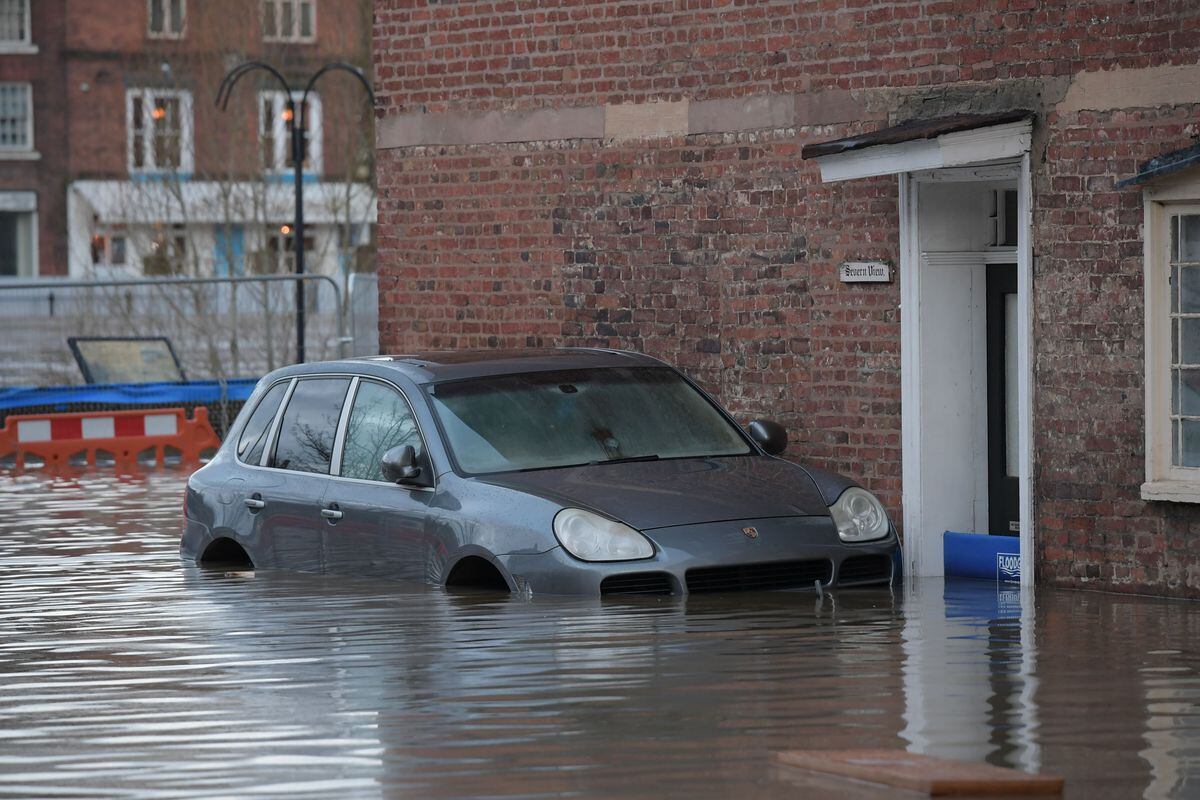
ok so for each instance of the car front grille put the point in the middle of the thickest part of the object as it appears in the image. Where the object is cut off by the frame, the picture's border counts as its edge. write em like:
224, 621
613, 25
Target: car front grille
759, 577
860, 569
636, 583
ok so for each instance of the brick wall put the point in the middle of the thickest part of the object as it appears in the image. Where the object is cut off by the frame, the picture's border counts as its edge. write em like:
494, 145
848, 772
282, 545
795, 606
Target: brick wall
718, 250
47, 175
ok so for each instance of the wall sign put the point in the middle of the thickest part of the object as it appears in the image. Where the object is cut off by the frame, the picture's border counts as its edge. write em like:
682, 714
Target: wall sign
865, 272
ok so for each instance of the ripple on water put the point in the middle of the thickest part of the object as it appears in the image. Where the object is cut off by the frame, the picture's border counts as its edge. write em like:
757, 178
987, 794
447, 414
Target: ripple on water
128, 674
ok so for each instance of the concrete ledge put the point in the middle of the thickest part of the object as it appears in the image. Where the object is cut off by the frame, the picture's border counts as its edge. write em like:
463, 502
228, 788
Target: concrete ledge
639, 120
489, 127
742, 113
1144, 87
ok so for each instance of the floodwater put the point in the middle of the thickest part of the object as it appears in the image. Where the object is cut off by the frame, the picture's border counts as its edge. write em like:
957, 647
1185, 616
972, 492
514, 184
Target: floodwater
125, 673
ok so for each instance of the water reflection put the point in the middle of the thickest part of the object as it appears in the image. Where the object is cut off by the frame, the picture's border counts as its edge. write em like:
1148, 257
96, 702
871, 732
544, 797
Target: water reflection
125, 674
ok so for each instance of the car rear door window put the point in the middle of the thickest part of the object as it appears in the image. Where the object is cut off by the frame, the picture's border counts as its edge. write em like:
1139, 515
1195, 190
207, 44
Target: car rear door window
379, 420
254, 435
309, 423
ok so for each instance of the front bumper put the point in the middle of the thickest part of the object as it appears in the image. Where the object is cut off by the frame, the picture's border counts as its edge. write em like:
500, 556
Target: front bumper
779, 553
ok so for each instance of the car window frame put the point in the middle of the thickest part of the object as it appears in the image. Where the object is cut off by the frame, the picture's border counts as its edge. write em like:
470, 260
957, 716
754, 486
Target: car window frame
271, 427
754, 448
277, 424
343, 421
339, 442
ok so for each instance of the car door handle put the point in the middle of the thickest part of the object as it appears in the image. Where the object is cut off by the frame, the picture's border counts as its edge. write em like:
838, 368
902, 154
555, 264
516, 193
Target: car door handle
255, 503
331, 513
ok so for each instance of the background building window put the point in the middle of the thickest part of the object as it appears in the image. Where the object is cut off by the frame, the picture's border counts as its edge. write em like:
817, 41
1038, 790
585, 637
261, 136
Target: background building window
1185, 339
16, 117
160, 130
17, 244
275, 131
289, 20
166, 18
168, 253
108, 250
14, 23
280, 253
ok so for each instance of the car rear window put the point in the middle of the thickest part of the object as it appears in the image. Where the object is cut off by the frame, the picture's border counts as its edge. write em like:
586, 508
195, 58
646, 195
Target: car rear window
309, 424
254, 435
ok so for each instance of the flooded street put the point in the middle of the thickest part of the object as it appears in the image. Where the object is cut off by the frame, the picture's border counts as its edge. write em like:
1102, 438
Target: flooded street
127, 674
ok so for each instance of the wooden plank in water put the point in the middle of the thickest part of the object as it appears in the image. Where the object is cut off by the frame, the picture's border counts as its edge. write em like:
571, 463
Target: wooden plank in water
938, 777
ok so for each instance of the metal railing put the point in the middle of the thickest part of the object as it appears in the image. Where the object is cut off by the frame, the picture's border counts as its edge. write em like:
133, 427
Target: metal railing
221, 327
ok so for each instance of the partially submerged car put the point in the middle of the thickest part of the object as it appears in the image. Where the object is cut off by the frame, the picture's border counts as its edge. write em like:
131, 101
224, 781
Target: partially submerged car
549, 471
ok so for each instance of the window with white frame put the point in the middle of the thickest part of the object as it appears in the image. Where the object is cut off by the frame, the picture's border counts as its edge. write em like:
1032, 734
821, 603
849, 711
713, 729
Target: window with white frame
16, 118
275, 131
166, 18
18, 234
159, 123
14, 24
109, 249
1172, 294
289, 20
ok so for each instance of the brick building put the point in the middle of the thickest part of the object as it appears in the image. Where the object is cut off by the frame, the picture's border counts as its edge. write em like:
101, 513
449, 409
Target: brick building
128, 168
689, 178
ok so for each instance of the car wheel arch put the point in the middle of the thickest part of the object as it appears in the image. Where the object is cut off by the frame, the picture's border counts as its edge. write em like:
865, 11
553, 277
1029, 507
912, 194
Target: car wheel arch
475, 567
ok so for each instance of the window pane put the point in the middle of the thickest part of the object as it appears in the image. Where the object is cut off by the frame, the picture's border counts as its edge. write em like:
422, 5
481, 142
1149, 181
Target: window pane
309, 424
156, 16
116, 251
306, 20
269, 29
287, 19
1190, 451
1174, 289
12, 21
379, 421
9, 264
176, 16
1189, 341
1189, 237
254, 435
1189, 290
1188, 392
14, 115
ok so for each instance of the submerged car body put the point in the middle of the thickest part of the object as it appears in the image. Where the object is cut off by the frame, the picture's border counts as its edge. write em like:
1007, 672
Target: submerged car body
545, 471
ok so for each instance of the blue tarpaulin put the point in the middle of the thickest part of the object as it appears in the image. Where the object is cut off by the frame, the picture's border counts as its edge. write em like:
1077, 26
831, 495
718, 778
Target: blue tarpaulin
122, 394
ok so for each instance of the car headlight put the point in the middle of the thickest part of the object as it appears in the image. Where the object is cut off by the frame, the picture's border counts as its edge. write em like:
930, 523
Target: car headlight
859, 516
591, 537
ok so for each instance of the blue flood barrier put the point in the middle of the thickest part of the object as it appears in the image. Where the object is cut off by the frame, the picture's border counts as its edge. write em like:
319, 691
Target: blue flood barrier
978, 555
121, 394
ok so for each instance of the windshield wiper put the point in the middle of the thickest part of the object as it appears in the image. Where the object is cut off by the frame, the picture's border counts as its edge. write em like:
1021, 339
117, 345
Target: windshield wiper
628, 460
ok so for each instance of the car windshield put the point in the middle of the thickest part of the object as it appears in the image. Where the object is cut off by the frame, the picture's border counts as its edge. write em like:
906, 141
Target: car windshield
544, 420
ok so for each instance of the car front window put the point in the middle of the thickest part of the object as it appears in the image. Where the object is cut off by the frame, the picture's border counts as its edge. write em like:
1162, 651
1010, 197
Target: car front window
379, 420
544, 420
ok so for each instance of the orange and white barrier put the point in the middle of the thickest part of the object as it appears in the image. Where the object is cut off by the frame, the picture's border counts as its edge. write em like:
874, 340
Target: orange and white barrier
56, 439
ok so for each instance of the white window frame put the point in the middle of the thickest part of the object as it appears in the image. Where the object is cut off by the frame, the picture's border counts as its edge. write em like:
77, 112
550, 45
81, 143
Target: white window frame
294, 35
166, 32
28, 151
283, 137
1179, 195
147, 96
22, 46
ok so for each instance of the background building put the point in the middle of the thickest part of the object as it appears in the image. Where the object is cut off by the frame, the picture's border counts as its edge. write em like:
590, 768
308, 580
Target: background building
635, 175
128, 168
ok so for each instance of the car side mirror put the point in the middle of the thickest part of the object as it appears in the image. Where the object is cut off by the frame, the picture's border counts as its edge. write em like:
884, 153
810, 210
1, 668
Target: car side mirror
399, 464
771, 436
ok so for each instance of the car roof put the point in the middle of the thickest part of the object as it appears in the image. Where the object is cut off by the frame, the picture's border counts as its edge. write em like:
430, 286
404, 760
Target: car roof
435, 366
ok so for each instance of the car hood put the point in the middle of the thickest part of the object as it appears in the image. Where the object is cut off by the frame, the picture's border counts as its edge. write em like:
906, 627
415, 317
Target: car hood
658, 494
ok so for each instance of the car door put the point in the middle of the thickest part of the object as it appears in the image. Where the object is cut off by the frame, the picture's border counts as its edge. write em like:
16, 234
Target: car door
374, 527
297, 474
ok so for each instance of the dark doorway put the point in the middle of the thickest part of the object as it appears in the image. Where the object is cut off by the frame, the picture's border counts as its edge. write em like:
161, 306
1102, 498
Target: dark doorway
1004, 510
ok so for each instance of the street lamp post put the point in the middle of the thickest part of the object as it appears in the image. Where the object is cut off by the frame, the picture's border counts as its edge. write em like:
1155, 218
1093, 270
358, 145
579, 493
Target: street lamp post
299, 128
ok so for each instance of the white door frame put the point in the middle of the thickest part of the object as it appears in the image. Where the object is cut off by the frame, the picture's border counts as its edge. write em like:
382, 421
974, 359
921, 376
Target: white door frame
917, 539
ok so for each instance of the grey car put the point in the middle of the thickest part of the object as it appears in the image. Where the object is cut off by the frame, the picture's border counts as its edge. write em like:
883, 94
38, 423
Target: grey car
567, 471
